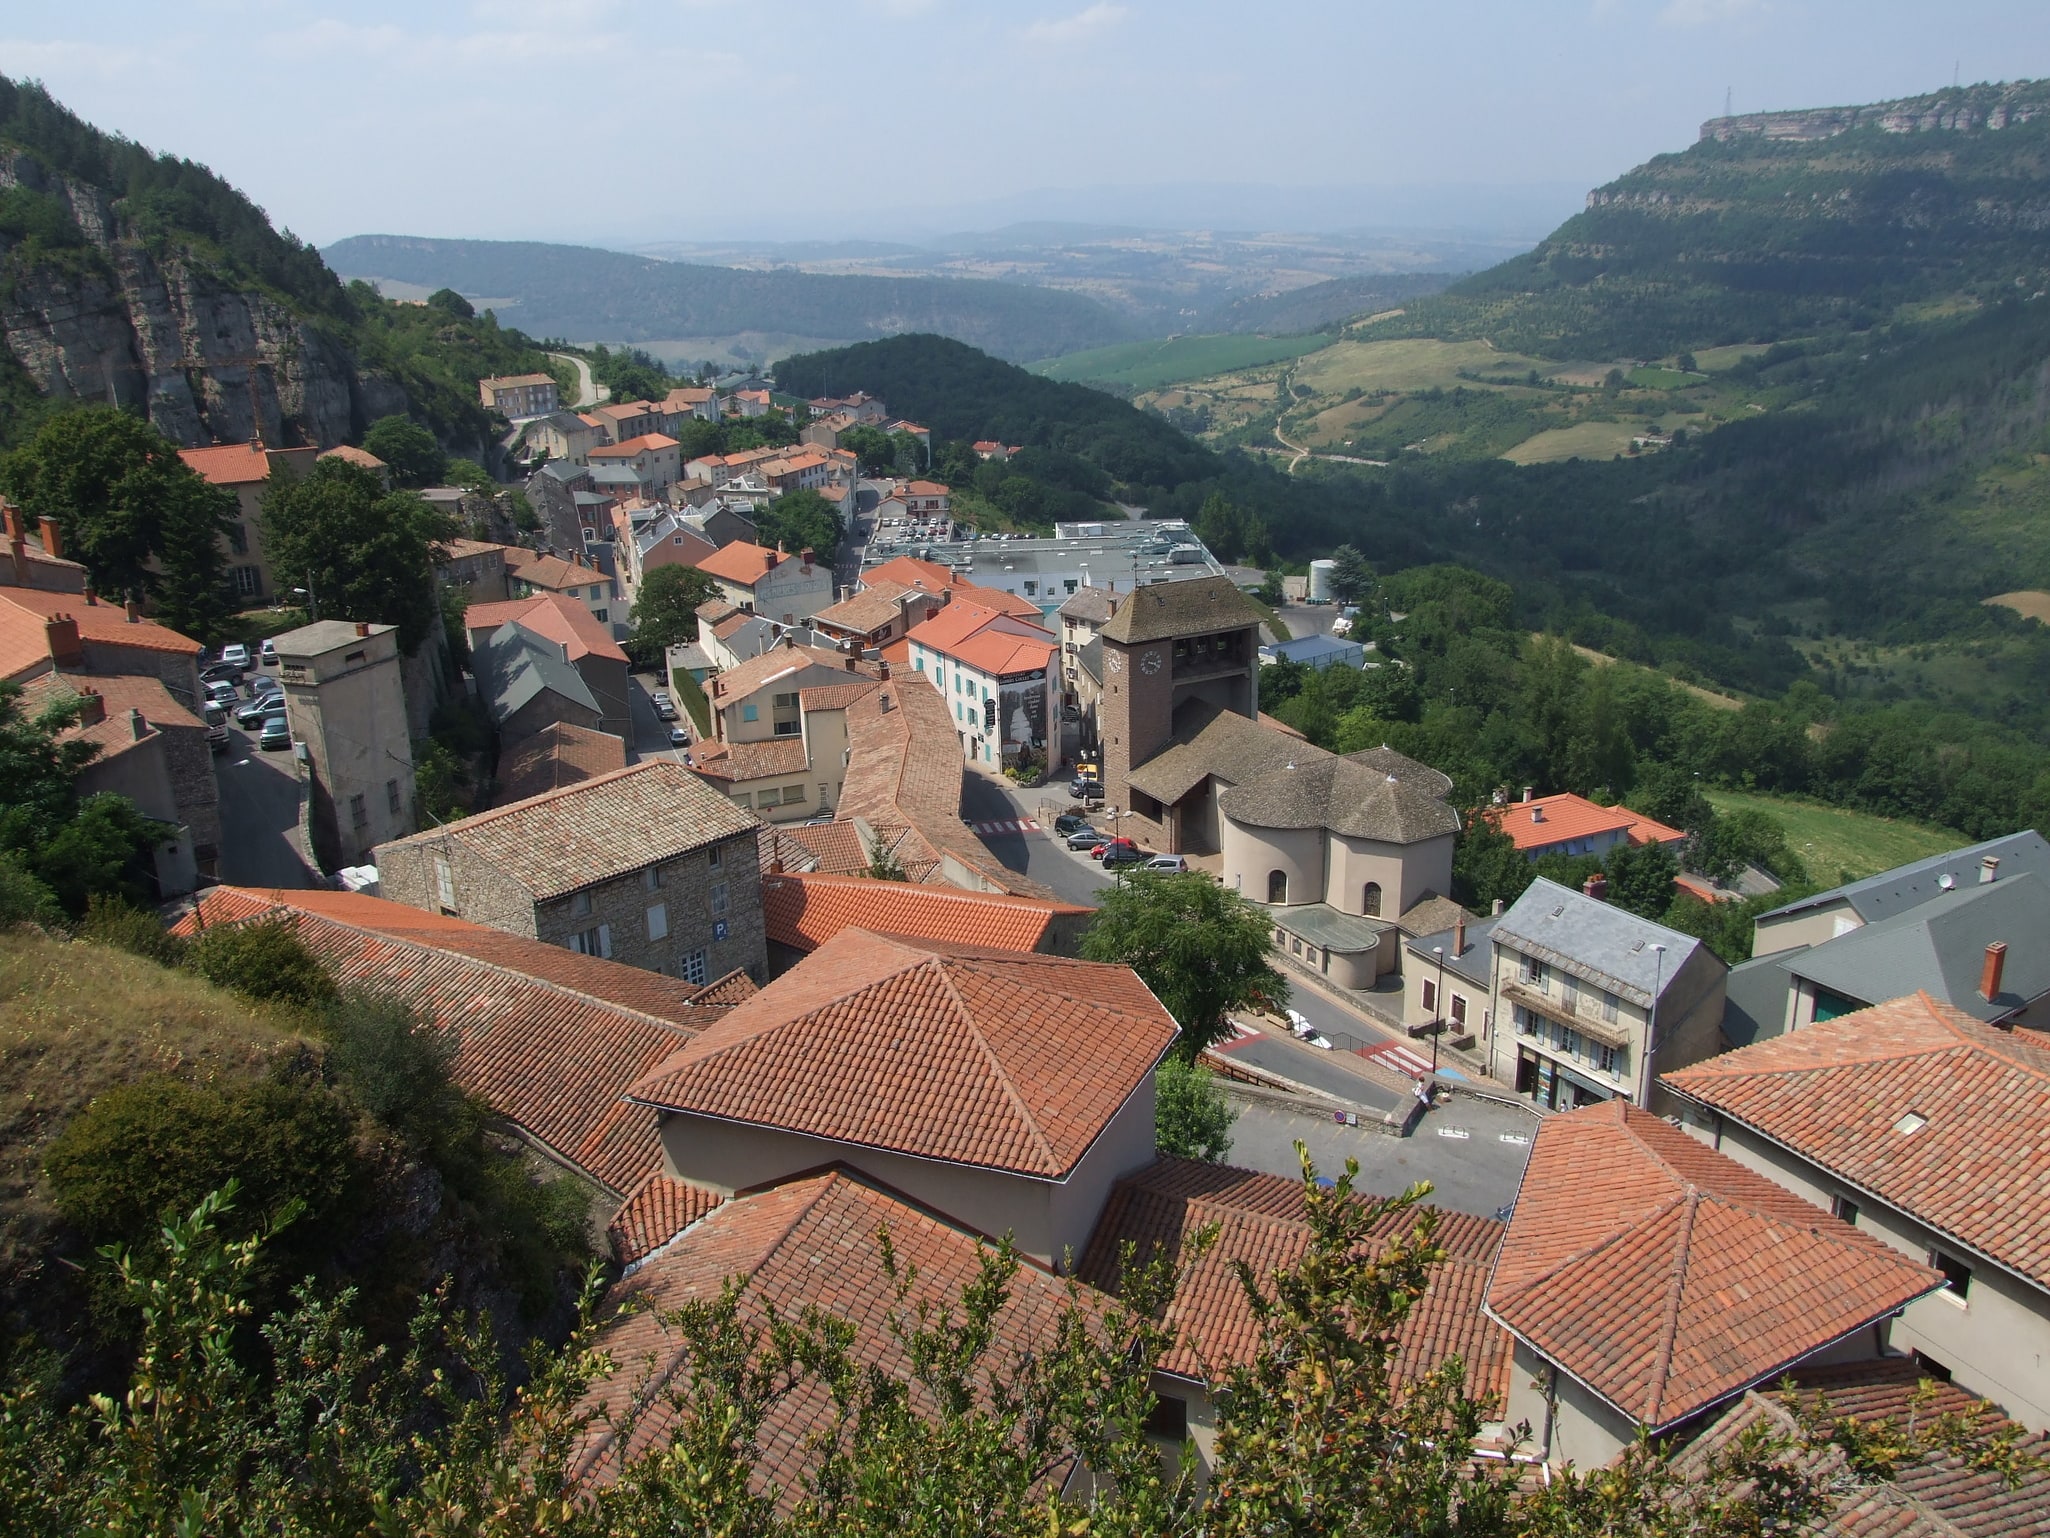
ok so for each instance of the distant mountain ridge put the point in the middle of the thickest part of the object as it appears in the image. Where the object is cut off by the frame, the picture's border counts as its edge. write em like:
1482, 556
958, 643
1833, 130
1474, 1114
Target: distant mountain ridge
585, 294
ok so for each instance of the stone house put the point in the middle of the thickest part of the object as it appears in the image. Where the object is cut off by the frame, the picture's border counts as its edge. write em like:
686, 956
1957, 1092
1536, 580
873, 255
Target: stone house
586, 644
649, 866
526, 681
520, 395
529, 573
346, 701
477, 568
775, 585
758, 699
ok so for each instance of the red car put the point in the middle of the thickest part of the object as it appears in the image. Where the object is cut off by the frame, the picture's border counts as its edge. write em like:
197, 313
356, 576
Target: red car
1116, 850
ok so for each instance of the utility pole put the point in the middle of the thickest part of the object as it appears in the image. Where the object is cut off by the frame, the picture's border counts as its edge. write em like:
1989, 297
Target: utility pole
1438, 1020
1726, 101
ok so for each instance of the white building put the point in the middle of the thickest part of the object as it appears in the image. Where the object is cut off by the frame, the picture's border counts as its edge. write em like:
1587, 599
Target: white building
998, 675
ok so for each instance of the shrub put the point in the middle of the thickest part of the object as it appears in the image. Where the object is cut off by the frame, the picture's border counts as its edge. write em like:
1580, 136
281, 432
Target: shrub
24, 897
395, 1064
267, 962
110, 921
1191, 1117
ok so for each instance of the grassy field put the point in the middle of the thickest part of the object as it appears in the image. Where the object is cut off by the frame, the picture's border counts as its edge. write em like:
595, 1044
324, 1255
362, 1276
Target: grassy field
1838, 845
2029, 604
1406, 365
1583, 440
1155, 365
1663, 378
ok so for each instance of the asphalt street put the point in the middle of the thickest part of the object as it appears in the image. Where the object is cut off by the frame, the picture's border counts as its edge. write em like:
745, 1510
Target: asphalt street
259, 816
1072, 875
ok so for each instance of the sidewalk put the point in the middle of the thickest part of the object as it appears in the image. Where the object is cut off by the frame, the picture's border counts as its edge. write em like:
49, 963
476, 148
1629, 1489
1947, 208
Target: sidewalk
1386, 1021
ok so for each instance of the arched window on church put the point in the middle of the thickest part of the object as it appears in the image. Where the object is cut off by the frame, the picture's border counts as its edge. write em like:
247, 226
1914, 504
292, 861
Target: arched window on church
1370, 903
1277, 886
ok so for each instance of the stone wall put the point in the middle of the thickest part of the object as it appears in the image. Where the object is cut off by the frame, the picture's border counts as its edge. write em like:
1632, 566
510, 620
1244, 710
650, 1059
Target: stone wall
687, 897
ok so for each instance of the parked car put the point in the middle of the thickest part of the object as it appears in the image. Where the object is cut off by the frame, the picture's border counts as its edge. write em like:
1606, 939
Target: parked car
221, 692
221, 673
664, 711
1086, 790
277, 733
1121, 851
217, 727
1172, 864
235, 655
678, 737
1070, 822
252, 715
1086, 837
267, 653
263, 684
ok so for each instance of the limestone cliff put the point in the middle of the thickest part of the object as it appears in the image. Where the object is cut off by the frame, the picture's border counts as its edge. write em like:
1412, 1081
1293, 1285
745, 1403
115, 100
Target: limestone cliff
1960, 110
161, 330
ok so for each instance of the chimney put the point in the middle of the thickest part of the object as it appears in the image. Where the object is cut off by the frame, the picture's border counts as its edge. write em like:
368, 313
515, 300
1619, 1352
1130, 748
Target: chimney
1459, 935
807, 555
883, 669
1526, 792
137, 727
1496, 911
770, 557
1537, 813
362, 628
92, 599
851, 660
53, 539
1989, 869
1989, 976
61, 632
17, 527
1597, 887
133, 611
92, 707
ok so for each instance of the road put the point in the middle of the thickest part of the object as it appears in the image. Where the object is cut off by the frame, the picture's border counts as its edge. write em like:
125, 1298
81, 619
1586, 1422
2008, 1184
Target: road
651, 732
259, 817
589, 391
1072, 876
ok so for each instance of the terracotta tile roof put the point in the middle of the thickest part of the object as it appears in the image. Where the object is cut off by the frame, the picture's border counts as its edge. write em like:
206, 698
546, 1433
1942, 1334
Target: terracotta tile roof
732, 761
1566, 817
646, 443
911, 572
736, 987
459, 549
113, 737
25, 611
836, 696
562, 620
554, 758
506, 381
838, 849
1836, 1093
608, 826
804, 911
654, 1212
549, 571
229, 464
742, 563
876, 605
996, 598
757, 673
548, 1038
962, 620
1665, 1276
808, 1241
355, 456
1938, 1496
123, 692
1260, 1222
981, 1057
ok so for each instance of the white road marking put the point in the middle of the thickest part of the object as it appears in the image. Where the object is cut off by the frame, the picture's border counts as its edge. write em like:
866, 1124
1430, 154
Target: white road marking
1514, 1137
1458, 1132
1007, 825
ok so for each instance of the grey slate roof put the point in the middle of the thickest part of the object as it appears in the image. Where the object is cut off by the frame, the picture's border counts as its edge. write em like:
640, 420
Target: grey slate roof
1316, 651
1595, 940
320, 637
1167, 609
1090, 659
1939, 947
1344, 796
1343, 934
1385, 760
1209, 740
1091, 605
1755, 1001
513, 665
1906, 886
1476, 964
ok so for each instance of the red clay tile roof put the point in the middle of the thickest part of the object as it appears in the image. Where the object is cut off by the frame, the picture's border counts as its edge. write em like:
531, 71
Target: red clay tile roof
1665, 1276
554, 758
996, 598
1835, 1093
563, 620
835, 696
1260, 1221
553, 844
911, 572
654, 1212
742, 563
804, 911
548, 1038
549, 571
737, 683
731, 761
229, 464
808, 1241
1568, 817
1938, 1496
628, 448
839, 849
350, 453
981, 1057
459, 549
123, 692
26, 611
876, 605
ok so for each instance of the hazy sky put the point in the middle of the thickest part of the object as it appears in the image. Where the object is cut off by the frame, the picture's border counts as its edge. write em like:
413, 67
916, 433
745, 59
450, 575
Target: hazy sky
614, 120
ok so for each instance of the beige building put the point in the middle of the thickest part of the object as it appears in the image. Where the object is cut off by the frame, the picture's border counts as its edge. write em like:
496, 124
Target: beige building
1920, 1126
759, 699
246, 469
790, 777
1593, 1003
648, 866
347, 708
563, 435
520, 395
771, 583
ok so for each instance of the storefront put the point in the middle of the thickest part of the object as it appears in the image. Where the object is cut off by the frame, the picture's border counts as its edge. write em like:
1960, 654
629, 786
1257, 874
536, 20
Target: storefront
1551, 1084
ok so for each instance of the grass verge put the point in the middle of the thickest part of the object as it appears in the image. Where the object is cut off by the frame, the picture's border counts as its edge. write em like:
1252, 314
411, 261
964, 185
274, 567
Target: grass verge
1839, 845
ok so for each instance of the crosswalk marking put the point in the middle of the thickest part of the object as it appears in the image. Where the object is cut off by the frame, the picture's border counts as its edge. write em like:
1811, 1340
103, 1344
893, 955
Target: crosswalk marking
1007, 825
1400, 1058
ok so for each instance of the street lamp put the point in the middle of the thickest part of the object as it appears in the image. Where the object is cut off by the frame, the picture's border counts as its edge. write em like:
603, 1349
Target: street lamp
1438, 1021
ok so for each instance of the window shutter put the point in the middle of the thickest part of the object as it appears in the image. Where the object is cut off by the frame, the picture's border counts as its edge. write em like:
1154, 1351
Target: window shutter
605, 940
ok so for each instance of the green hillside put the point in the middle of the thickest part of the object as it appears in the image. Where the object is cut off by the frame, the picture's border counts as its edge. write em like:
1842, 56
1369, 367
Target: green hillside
1137, 366
588, 295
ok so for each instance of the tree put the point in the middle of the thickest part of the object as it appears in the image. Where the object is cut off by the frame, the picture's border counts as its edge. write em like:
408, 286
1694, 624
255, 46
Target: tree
801, 520
1201, 949
1191, 1117
454, 303
1641, 878
876, 449
104, 848
408, 450
1487, 867
362, 552
665, 611
137, 517
469, 475
1353, 581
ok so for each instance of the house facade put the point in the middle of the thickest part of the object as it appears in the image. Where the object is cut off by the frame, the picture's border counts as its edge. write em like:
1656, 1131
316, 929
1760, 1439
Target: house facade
520, 395
998, 675
776, 585
346, 703
246, 469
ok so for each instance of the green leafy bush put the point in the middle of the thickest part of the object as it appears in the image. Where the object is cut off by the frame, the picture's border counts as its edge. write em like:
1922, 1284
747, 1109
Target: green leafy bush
267, 962
1191, 1117
110, 921
396, 1065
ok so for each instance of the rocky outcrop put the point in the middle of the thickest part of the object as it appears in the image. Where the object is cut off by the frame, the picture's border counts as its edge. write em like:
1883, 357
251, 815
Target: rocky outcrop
210, 362
1963, 110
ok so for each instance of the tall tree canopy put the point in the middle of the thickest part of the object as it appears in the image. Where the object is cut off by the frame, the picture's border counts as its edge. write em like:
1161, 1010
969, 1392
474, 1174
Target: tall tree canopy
409, 449
361, 552
1201, 949
665, 611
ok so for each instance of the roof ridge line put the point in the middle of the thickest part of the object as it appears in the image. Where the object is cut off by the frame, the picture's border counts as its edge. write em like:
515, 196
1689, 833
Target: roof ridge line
1669, 1326
996, 1063
1607, 1241
755, 1035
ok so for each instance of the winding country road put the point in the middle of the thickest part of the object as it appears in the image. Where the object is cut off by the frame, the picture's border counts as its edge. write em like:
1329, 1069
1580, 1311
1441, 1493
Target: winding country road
589, 391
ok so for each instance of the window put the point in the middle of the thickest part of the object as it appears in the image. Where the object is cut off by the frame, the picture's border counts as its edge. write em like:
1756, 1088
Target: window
651, 878
718, 897
600, 615
1277, 886
713, 857
749, 713
789, 728
740, 798
1295, 945
1169, 1419
1069, 584
1609, 1007
1844, 1210
391, 796
353, 656
444, 885
1430, 997
1370, 900
658, 922
1533, 972
238, 538
248, 582
1569, 994
359, 814
593, 942
580, 905
1607, 1059
1957, 1276
692, 968
793, 795
786, 701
